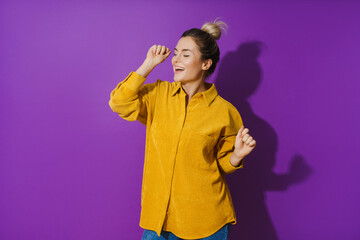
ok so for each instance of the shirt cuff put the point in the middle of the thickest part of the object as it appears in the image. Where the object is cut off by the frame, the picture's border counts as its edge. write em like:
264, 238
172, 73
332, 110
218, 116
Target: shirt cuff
134, 81
229, 168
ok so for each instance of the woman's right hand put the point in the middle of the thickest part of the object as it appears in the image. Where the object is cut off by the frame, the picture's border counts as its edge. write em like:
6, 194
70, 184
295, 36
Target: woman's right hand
157, 54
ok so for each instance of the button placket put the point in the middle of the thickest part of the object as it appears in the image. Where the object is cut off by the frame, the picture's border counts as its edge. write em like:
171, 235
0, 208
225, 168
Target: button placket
181, 124
194, 101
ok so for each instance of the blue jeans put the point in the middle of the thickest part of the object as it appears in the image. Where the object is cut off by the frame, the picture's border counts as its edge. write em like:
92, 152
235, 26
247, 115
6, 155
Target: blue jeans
221, 234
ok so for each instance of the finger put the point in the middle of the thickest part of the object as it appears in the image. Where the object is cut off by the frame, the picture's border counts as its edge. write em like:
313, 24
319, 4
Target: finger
245, 137
249, 140
253, 143
239, 133
240, 130
163, 48
158, 48
246, 130
168, 53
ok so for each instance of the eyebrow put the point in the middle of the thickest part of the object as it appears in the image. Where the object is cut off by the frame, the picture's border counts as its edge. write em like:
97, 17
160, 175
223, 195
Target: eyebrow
184, 49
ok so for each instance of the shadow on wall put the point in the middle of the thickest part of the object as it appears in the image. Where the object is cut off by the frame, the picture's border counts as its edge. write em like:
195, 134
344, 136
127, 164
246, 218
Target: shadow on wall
238, 77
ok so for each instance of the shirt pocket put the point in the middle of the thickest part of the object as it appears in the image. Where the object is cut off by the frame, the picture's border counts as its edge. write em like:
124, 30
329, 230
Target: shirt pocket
199, 150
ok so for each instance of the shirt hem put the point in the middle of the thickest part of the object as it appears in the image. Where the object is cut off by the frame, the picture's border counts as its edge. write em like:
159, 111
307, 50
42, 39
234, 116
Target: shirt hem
189, 237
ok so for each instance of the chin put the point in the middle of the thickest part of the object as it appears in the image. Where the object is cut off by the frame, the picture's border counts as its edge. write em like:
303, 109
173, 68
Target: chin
177, 79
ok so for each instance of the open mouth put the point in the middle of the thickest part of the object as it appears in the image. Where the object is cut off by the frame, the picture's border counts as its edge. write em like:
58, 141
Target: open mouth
179, 69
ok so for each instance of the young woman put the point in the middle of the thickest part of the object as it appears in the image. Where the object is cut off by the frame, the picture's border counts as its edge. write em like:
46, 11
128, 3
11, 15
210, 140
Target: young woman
193, 138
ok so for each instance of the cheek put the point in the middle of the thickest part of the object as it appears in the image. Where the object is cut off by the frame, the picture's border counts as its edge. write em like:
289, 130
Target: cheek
194, 65
190, 63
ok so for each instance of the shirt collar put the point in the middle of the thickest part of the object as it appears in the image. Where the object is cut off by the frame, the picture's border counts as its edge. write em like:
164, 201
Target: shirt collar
209, 95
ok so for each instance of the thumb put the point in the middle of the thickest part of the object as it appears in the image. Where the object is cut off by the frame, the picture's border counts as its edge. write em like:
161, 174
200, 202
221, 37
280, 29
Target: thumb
240, 130
239, 136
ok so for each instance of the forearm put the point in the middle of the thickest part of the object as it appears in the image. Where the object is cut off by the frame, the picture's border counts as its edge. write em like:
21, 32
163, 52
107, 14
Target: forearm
145, 69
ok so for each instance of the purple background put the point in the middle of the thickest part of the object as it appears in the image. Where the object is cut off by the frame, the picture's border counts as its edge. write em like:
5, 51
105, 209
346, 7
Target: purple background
70, 168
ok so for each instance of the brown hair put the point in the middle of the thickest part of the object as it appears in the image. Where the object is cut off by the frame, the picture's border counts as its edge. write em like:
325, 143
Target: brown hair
205, 38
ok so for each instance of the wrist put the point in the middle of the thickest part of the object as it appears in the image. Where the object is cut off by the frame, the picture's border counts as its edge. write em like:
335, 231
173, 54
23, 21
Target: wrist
235, 160
237, 155
148, 64
145, 68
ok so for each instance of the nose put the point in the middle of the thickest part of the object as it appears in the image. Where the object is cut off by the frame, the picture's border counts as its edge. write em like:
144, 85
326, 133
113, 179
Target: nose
177, 57
174, 60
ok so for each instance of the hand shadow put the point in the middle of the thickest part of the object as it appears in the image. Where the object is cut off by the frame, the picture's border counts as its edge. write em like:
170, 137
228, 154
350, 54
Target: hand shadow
238, 77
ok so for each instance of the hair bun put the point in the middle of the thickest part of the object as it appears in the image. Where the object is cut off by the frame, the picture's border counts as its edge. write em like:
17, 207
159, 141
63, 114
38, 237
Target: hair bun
214, 28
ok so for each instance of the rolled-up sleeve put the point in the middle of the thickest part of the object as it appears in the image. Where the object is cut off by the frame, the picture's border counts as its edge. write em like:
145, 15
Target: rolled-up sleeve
131, 99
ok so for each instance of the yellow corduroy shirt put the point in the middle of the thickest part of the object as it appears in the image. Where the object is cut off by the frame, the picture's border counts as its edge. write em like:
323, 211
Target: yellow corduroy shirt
187, 154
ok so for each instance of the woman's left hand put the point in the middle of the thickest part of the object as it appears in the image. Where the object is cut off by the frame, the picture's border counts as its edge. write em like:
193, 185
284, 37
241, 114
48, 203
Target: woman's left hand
244, 143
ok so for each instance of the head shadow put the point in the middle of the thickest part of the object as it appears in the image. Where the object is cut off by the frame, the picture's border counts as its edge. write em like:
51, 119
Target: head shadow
238, 77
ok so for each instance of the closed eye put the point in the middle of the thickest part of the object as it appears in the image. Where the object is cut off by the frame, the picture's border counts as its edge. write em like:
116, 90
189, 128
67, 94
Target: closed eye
184, 55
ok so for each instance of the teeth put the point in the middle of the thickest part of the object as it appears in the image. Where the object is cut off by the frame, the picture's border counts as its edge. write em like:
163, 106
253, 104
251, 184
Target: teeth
177, 68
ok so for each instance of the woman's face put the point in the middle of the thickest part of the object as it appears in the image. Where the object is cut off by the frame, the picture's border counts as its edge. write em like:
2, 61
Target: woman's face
188, 58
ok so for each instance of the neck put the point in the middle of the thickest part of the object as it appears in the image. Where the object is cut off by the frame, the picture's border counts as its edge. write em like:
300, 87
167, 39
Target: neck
191, 88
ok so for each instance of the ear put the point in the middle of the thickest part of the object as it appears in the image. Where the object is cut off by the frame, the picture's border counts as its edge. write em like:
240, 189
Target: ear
206, 64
